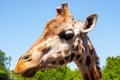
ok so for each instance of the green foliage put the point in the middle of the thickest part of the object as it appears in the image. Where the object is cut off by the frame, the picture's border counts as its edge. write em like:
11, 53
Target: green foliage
112, 69
4, 62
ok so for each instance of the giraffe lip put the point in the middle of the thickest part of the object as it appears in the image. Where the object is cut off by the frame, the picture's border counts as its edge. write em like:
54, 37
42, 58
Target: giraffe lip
29, 73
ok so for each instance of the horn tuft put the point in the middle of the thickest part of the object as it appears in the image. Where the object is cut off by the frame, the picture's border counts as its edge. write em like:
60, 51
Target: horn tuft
64, 5
59, 10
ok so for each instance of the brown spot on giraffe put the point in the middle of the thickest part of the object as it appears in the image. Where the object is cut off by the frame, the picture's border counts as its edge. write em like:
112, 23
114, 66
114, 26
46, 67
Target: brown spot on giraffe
46, 50
72, 56
53, 62
78, 56
88, 61
67, 58
61, 62
86, 77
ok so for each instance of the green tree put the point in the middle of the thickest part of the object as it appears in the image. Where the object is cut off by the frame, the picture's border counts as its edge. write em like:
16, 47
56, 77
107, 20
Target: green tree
111, 71
4, 66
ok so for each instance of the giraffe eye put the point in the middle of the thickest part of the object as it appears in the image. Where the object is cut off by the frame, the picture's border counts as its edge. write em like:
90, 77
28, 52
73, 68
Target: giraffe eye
66, 34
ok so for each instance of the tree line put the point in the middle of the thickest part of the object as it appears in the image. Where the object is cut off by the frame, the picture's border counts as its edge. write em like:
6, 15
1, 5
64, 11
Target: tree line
111, 71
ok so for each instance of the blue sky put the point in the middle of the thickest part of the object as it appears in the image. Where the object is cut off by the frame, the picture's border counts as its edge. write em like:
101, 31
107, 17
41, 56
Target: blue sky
23, 21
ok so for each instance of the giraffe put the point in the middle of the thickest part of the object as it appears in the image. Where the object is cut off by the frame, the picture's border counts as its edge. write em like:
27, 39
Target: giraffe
63, 40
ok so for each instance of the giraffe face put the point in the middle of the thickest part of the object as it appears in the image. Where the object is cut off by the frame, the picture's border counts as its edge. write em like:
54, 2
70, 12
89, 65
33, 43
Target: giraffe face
56, 46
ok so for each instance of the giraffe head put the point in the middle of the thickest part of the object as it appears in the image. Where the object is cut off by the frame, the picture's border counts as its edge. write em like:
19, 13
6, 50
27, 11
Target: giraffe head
58, 43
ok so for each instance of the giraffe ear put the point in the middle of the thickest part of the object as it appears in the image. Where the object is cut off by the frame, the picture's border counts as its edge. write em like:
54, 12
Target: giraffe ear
89, 23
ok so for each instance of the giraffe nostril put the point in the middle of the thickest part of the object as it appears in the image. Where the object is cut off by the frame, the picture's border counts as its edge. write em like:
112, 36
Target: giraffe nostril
26, 58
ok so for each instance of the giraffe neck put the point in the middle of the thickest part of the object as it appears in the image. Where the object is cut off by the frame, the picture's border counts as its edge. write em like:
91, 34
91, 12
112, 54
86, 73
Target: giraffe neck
88, 61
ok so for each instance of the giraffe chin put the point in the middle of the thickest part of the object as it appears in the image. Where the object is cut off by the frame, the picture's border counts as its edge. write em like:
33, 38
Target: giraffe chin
29, 72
